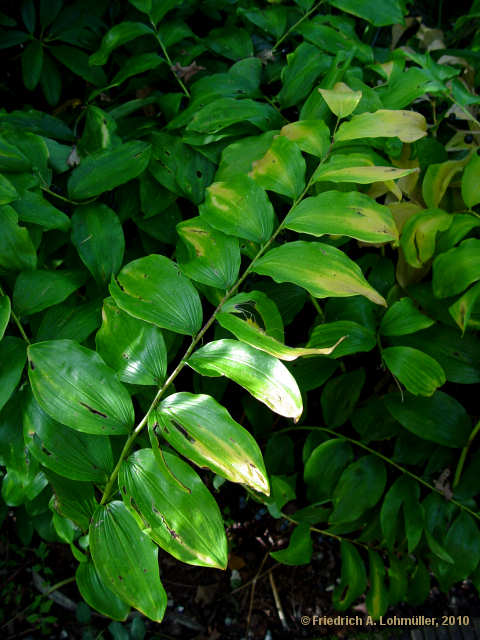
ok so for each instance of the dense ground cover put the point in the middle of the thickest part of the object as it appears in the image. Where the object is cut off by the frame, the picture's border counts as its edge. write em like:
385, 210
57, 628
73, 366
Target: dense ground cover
240, 272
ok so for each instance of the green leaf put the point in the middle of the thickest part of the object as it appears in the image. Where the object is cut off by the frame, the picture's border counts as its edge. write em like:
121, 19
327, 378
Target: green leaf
403, 495
439, 418
253, 335
281, 169
72, 499
38, 290
341, 100
403, 318
419, 372
77, 61
461, 310
470, 184
383, 13
325, 466
77, 456
360, 487
32, 63
133, 66
437, 179
203, 431
272, 20
456, 269
299, 550
238, 157
384, 123
154, 289
207, 255
225, 112
256, 302
357, 337
104, 170
5, 309
463, 544
34, 208
262, 375
96, 593
73, 385
339, 397
51, 80
353, 580
377, 596
8, 193
231, 42
12, 361
98, 237
70, 320
351, 214
181, 514
126, 560
239, 207
304, 66
356, 168
311, 136
134, 349
115, 37
16, 248
319, 268
419, 235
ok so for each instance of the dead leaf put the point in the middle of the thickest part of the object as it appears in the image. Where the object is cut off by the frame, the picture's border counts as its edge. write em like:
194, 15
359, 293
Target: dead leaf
185, 73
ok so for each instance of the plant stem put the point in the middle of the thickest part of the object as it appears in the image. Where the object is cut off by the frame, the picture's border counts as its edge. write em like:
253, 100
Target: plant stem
17, 321
388, 460
463, 455
169, 61
198, 337
294, 26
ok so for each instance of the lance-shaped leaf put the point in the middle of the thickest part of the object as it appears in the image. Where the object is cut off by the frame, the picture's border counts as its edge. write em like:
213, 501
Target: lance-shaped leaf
119, 34
419, 372
357, 337
403, 494
181, 514
203, 431
5, 309
104, 170
16, 247
38, 290
252, 334
206, 254
384, 123
96, 593
403, 318
437, 179
98, 236
74, 455
355, 168
351, 214
126, 559
341, 100
439, 418
419, 235
311, 136
456, 269
8, 193
319, 268
155, 290
257, 302
133, 348
12, 362
281, 169
239, 207
262, 375
353, 579
73, 385
462, 309
300, 547
377, 596
470, 182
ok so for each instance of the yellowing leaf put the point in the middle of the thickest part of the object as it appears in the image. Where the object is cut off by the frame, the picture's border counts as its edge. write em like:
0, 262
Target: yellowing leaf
342, 100
384, 123
311, 136
436, 180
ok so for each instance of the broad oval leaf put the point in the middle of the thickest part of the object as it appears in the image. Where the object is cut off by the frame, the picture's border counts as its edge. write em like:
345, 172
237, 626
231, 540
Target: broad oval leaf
203, 431
470, 182
384, 123
300, 547
360, 487
97, 594
181, 514
155, 290
439, 418
377, 596
98, 236
16, 247
344, 169
404, 493
253, 335
104, 170
262, 375
419, 372
437, 179
311, 136
133, 348
126, 559
12, 361
353, 579
207, 255
357, 337
419, 234
38, 290
341, 100
119, 34
324, 467
319, 268
73, 385
239, 207
281, 169
456, 269
380, 14
73, 455
351, 214
5, 309
403, 318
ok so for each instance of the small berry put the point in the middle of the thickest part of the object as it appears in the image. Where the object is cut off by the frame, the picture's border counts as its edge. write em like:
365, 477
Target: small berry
468, 139
452, 117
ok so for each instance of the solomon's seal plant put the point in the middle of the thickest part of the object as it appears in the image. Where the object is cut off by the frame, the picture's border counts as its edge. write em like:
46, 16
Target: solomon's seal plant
206, 215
